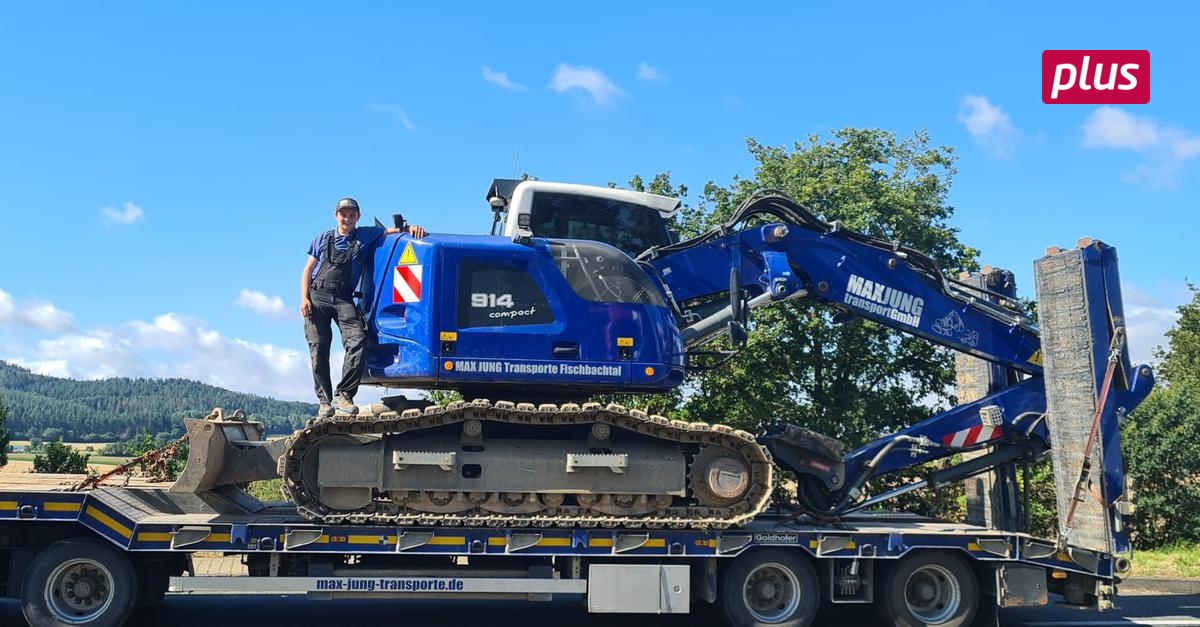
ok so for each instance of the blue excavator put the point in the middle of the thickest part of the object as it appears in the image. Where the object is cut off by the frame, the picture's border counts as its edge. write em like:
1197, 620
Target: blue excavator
581, 291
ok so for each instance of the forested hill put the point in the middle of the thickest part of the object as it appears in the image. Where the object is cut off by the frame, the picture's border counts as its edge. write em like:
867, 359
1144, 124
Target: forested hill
120, 408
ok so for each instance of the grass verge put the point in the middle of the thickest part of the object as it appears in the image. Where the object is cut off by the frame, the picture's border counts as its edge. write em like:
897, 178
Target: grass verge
1174, 562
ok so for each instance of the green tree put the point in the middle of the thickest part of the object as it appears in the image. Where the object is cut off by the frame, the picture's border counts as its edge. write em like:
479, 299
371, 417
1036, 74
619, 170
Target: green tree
60, 458
848, 378
1161, 447
1180, 362
120, 408
1161, 440
804, 363
1043, 506
5, 436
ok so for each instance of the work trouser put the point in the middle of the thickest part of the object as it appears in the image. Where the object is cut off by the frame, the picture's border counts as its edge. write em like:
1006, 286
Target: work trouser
326, 309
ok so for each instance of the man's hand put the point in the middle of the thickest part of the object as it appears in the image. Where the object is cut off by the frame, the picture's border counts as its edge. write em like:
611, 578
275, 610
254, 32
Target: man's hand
416, 231
305, 281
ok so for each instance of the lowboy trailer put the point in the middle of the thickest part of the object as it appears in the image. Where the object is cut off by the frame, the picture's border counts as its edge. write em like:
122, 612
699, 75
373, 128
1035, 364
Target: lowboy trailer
90, 558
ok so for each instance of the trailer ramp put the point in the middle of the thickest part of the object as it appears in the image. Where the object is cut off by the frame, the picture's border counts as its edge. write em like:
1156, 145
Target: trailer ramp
1089, 383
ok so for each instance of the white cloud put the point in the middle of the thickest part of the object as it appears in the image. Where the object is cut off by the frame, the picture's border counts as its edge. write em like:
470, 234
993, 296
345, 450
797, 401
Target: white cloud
169, 345
989, 125
395, 112
501, 79
48, 367
89, 354
647, 72
1187, 148
1147, 321
263, 305
35, 314
1109, 127
129, 215
170, 331
1164, 148
594, 82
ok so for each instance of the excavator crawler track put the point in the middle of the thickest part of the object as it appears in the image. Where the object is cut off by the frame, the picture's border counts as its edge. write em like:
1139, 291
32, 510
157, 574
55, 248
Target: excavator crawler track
719, 503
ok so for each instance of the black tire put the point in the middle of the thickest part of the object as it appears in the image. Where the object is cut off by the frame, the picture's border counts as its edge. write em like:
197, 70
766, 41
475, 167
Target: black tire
80, 581
930, 588
153, 575
770, 587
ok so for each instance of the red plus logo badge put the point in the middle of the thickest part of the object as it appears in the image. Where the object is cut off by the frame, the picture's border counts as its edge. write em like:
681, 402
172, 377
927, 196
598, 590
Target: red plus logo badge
1096, 77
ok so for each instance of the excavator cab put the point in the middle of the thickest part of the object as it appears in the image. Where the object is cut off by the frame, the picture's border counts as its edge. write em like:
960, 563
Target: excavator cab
553, 297
632, 222
496, 319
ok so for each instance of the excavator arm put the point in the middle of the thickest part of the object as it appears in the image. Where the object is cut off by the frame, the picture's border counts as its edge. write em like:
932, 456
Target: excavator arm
790, 253
773, 250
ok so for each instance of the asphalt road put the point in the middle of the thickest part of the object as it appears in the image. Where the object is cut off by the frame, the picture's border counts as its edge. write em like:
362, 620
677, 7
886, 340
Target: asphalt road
274, 611
1135, 608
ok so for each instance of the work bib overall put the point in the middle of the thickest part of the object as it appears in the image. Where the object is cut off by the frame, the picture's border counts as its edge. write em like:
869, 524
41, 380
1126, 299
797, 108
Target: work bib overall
332, 294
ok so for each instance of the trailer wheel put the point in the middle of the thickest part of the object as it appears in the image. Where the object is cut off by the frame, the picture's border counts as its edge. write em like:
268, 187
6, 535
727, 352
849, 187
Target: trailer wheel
930, 588
770, 587
80, 581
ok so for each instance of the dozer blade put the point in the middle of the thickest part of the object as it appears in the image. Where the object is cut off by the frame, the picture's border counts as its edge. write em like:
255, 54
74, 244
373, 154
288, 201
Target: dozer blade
226, 451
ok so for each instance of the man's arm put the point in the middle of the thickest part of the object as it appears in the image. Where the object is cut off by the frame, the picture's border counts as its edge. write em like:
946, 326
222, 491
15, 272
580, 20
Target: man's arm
413, 230
305, 281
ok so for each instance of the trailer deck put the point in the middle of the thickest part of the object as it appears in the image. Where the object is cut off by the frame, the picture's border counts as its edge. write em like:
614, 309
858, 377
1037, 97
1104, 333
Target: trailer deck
145, 518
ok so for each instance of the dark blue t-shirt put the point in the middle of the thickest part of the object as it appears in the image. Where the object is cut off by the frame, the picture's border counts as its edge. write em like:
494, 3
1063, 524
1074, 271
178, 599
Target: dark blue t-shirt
367, 236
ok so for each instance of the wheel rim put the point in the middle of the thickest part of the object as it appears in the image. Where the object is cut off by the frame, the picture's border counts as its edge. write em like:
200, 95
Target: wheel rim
79, 591
932, 594
771, 593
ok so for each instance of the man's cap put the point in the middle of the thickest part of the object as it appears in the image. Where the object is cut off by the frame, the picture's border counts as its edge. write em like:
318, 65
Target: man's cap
346, 203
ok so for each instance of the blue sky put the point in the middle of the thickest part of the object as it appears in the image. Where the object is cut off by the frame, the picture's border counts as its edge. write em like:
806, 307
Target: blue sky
163, 166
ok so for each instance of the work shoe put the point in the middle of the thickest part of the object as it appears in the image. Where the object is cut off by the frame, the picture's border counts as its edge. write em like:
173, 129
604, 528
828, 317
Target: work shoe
344, 405
325, 410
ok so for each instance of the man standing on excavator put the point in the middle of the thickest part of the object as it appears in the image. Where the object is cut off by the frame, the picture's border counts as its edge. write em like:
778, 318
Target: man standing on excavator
327, 290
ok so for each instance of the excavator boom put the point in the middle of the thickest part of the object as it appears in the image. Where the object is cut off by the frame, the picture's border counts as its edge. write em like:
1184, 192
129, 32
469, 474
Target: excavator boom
1063, 392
